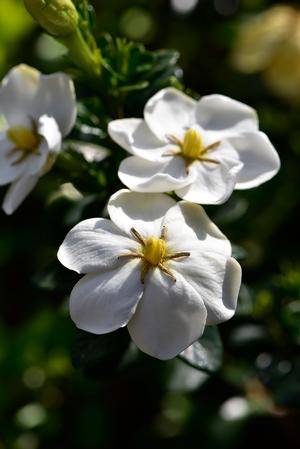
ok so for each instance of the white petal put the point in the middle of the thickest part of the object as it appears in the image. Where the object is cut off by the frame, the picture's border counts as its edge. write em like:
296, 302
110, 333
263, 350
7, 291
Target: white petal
260, 159
56, 98
48, 128
169, 111
17, 93
36, 162
89, 151
134, 136
216, 279
17, 192
104, 302
189, 227
214, 183
141, 175
8, 170
225, 116
169, 317
94, 244
123, 132
12, 168
232, 283
142, 211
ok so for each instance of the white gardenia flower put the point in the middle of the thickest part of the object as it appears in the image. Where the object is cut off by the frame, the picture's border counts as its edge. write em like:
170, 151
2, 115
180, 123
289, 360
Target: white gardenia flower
202, 150
39, 110
160, 267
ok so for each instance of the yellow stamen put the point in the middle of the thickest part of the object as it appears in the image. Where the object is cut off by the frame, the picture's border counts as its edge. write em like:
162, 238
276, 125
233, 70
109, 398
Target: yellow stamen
192, 145
191, 148
154, 253
24, 138
155, 250
138, 236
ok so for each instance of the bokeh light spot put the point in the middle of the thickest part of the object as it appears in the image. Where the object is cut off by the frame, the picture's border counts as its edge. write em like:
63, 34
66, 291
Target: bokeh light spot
34, 377
284, 367
137, 24
226, 7
263, 360
234, 408
27, 440
31, 415
183, 6
47, 48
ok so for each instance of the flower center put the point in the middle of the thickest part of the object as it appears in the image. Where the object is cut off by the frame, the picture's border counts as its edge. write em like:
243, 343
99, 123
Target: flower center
24, 138
154, 250
154, 253
192, 146
26, 141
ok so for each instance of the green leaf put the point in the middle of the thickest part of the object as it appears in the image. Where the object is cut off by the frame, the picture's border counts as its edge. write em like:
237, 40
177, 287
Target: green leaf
54, 277
133, 71
206, 353
231, 211
165, 58
100, 355
238, 252
137, 86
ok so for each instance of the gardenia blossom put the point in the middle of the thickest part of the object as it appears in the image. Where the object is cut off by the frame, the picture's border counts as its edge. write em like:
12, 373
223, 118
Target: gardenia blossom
200, 149
38, 110
160, 267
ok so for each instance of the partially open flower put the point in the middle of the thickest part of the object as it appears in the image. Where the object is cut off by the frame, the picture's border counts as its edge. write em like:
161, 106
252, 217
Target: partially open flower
39, 110
269, 42
160, 267
202, 150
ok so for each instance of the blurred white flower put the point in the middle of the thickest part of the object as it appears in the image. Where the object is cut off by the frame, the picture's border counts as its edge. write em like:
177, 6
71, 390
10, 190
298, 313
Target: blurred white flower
269, 42
160, 267
39, 110
202, 150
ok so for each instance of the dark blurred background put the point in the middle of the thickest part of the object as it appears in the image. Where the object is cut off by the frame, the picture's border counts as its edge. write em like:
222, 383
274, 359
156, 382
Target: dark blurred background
254, 399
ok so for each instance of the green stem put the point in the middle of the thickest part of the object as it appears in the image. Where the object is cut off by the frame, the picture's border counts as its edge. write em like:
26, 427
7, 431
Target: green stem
81, 54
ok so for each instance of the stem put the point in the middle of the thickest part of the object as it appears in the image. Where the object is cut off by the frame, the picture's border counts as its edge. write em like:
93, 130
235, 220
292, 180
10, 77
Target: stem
81, 54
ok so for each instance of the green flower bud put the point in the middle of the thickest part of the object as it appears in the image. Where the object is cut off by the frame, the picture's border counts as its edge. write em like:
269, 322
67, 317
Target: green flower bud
58, 17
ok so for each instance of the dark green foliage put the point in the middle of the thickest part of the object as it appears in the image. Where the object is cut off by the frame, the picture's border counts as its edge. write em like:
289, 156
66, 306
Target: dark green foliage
132, 74
100, 355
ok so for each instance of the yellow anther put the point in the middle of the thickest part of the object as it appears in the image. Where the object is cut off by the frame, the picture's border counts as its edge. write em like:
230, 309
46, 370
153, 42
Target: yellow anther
154, 250
192, 145
154, 253
23, 138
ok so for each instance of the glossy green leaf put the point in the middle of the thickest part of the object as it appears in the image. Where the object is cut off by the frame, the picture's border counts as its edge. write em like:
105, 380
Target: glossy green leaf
54, 277
206, 353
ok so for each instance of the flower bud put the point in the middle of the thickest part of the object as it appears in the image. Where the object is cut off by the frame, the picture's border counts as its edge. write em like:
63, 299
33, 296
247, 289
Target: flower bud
58, 17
